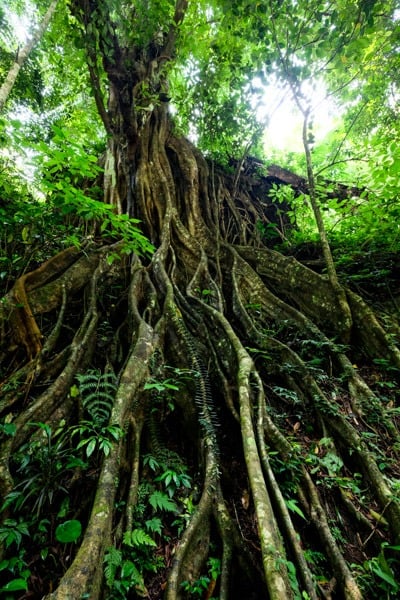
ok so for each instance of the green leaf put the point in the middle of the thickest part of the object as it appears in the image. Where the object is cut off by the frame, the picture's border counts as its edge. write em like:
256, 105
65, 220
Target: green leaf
138, 537
64, 508
154, 524
159, 500
69, 531
25, 234
386, 577
292, 505
90, 448
151, 462
74, 391
154, 386
128, 569
15, 585
115, 431
8, 429
105, 446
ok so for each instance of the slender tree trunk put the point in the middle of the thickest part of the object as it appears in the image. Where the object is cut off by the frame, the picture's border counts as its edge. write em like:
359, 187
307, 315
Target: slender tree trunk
23, 54
304, 108
326, 249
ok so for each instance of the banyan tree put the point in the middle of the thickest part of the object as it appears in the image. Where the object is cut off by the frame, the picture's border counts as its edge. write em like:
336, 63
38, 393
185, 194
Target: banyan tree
188, 412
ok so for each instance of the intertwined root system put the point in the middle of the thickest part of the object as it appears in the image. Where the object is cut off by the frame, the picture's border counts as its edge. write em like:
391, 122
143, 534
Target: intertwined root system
229, 361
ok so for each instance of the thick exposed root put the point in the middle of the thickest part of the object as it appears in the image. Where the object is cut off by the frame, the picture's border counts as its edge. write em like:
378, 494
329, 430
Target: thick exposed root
240, 427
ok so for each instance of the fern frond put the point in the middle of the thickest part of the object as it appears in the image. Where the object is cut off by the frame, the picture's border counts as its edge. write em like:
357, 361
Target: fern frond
113, 560
138, 537
154, 525
159, 500
97, 392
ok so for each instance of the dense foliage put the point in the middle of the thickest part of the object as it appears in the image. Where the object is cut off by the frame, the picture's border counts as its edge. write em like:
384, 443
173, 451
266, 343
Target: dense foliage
199, 346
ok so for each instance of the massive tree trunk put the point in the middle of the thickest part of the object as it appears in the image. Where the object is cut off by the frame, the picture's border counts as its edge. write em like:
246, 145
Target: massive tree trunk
227, 367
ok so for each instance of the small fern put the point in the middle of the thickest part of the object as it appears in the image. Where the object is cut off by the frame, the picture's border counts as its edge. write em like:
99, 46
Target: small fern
138, 537
112, 560
204, 401
97, 392
159, 500
154, 525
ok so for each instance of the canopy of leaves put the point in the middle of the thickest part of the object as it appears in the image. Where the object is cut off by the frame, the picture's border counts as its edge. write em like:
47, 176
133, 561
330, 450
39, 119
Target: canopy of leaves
216, 83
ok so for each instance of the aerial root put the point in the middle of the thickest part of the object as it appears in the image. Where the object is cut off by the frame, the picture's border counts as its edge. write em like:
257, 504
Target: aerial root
22, 323
376, 342
136, 427
80, 352
85, 574
321, 394
343, 430
317, 514
275, 570
279, 502
46, 404
309, 498
185, 565
384, 495
35, 368
225, 528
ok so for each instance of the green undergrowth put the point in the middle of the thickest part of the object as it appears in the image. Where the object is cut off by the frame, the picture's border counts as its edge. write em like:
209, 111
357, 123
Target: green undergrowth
372, 269
164, 505
43, 517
